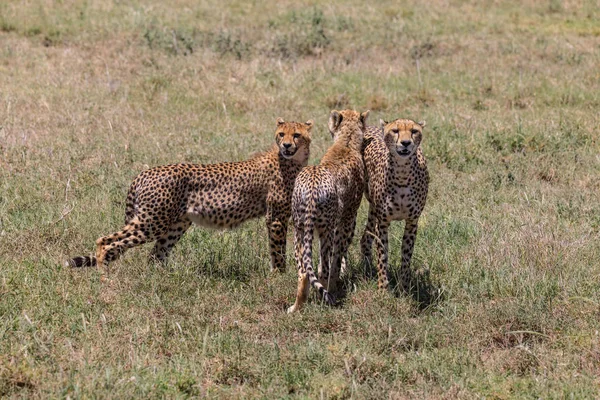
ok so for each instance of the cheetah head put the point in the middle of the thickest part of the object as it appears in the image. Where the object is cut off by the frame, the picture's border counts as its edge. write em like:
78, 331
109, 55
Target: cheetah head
339, 119
293, 139
402, 136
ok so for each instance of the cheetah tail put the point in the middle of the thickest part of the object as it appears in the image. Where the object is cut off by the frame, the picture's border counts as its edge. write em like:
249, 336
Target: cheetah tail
80, 262
307, 260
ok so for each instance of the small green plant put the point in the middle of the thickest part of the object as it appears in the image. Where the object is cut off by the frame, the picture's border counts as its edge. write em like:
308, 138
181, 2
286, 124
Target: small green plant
6, 26
555, 6
422, 50
33, 31
173, 41
304, 35
225, 42
480, 105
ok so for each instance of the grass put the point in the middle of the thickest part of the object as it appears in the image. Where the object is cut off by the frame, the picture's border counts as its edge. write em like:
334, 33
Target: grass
508, 297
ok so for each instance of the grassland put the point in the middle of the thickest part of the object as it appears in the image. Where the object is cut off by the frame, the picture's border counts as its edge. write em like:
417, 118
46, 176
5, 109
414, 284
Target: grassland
508, 296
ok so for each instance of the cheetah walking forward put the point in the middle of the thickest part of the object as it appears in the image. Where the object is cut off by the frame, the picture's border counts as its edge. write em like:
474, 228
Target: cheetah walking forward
326, 199
164, 201
397, 184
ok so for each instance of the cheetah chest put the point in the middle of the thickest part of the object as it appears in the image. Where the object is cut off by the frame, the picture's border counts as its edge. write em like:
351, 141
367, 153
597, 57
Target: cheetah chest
405, 198
399, 200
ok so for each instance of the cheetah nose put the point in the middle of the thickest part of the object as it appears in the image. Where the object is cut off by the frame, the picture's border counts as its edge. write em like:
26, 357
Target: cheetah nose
405, 143
287, 145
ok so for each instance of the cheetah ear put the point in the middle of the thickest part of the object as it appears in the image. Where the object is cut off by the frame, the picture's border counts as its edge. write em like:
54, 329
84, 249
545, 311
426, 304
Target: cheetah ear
422, 123
309, 123
363, 117
383, 122
280, 121
335, 119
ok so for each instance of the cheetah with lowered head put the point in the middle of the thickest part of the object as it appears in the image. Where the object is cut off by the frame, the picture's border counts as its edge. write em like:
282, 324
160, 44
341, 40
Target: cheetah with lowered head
397, 184
164, 201
326, 198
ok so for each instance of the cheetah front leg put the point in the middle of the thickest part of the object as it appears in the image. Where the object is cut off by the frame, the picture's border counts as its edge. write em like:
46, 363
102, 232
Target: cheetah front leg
382, 254
277, 230
408, 244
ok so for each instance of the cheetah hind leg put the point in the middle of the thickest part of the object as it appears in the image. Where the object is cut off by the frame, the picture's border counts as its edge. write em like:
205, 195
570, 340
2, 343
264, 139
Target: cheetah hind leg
348, 227
306, 274
326, 257
110, 248
165, 243
92, 260
303, 283
366, 243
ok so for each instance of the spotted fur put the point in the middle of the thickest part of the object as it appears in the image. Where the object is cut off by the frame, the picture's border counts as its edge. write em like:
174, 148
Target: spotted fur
164, 201
397, 184
326, 199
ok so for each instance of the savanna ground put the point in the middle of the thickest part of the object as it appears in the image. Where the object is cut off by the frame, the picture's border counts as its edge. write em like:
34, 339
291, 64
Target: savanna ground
507, 301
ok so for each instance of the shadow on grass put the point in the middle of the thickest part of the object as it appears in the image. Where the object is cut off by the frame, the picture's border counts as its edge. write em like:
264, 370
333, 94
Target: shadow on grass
234, 271
211, 266
422, 290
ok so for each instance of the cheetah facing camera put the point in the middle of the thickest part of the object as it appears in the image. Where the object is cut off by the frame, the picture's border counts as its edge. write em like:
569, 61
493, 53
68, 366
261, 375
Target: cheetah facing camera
397, 184
163, 201
326, 199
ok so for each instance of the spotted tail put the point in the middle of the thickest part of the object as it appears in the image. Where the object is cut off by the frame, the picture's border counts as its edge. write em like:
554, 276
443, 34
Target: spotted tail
81, 262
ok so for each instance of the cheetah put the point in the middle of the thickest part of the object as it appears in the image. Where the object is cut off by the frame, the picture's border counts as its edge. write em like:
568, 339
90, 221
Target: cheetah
397, 184
164, 201
326, 198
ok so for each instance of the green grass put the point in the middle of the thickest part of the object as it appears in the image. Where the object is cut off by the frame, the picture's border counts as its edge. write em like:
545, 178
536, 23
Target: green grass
508, 296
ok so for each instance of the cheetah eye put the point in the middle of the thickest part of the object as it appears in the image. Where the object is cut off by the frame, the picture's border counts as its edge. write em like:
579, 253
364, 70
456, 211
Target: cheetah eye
281, 134
396, 130
414, 131
296, 135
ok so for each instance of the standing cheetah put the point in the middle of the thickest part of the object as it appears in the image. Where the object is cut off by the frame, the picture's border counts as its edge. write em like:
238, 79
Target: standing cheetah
397, 184
326, 198
163, 201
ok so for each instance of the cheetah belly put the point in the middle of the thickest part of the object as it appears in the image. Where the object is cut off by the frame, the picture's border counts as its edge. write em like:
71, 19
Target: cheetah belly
214, 212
